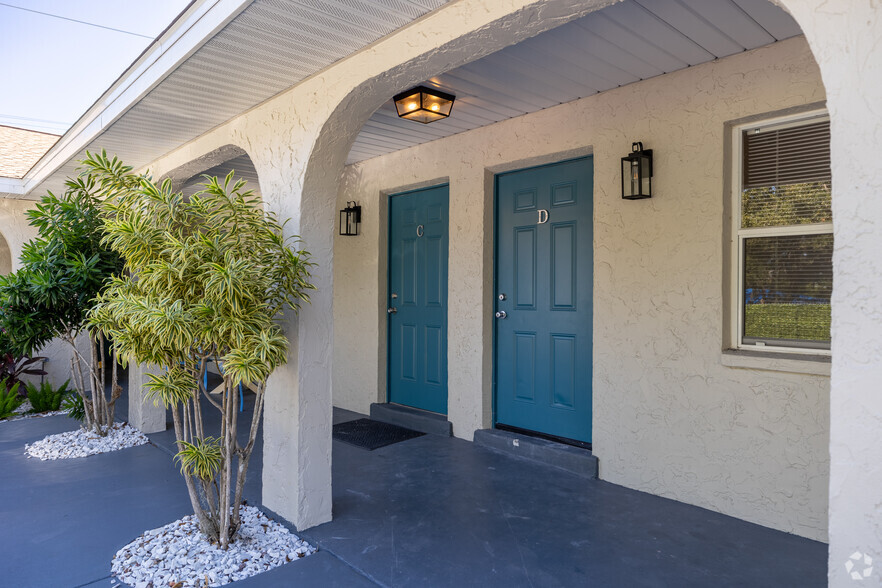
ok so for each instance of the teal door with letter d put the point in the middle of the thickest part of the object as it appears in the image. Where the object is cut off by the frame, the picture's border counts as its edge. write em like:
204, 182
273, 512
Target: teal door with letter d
544, 280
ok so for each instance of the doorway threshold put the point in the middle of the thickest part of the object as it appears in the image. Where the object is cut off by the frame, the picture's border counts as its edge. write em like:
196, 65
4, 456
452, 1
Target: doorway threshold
412, 418
576, 460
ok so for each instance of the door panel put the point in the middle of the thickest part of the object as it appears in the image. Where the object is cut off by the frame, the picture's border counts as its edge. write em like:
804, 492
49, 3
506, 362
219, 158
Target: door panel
418, 293
544, 267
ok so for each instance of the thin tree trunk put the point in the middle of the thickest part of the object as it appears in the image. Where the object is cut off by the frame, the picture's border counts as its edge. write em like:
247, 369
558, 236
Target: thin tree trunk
245, 453
224, 498
92, 384
77, 370
208, 527
115, 388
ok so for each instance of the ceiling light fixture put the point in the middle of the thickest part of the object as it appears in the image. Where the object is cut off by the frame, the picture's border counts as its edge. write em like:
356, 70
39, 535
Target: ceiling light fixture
424, 104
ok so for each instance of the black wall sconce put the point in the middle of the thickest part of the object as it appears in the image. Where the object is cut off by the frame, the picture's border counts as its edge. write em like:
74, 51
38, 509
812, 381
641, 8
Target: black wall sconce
350, 219
424, 104
637, 173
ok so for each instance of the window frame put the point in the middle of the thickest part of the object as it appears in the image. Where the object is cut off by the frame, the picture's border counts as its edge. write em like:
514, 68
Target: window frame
739, 234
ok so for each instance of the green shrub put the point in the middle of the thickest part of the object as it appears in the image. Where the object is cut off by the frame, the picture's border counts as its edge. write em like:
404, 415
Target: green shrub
45, 398
73, 404
9, 399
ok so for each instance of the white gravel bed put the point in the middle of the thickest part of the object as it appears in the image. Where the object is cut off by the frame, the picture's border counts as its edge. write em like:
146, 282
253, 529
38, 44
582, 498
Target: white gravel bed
19, 413
81, 443
179, 555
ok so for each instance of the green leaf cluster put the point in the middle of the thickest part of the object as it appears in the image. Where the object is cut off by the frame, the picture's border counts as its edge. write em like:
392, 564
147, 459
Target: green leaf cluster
62, 271
206, 276
75, 407
45, 397
9, 399
202, 458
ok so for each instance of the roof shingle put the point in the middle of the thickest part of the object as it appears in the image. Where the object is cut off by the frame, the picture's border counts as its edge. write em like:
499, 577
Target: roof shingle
20, 149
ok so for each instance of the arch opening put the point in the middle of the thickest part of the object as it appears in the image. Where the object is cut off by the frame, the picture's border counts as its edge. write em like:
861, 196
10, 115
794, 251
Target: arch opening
364, 152
241, 166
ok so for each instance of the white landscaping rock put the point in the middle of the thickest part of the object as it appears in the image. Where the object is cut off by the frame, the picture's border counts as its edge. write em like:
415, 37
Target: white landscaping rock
81, 443
19, 413
180, 553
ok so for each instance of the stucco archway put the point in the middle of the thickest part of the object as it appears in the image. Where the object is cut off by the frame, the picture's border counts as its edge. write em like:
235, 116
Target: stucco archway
342, 126
187, 178
299, 141
849, 64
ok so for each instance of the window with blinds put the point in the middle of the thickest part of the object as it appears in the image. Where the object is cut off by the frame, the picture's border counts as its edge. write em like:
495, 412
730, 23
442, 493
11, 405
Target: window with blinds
785, 239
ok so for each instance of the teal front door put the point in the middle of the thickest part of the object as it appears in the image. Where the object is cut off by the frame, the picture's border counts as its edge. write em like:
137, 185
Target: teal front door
417, 308
544, 278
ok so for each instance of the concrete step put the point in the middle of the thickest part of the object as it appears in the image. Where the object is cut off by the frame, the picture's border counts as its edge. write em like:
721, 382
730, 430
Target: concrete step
424, 421
566, 457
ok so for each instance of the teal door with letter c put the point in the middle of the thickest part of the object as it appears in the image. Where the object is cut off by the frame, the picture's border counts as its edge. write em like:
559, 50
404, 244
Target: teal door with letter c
417, 305
544, 281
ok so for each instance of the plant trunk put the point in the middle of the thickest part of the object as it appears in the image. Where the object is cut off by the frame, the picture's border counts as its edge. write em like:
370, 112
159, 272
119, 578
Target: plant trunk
206, 523
244, 453
228, 437
216, 503
115, 388
99, 413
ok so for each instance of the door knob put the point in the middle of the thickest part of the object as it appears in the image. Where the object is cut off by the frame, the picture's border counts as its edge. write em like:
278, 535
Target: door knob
501, 314
391, 310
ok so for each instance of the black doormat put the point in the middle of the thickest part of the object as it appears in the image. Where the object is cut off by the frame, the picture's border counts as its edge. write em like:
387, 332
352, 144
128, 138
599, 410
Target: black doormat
371, 435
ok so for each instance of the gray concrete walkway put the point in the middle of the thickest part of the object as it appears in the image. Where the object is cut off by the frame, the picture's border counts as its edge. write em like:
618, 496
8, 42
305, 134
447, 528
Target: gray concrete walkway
430, 511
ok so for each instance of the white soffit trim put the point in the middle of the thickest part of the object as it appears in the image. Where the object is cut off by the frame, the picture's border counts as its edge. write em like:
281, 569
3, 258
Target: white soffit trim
199, 23
11, 186
621, 44
177, 90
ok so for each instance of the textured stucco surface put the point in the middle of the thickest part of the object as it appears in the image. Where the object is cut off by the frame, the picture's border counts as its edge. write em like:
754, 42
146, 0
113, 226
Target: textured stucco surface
294, 134
669, 417
298, 142
144, 414
846, 39
14, 227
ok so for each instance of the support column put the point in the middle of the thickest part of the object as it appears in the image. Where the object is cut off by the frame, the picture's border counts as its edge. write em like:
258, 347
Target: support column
143, 415
298, 411
844, 37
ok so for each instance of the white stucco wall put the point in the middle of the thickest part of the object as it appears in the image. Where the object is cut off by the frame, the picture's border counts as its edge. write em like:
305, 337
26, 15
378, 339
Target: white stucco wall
14, 226
845, 39
844, 36
298, 142
669, 417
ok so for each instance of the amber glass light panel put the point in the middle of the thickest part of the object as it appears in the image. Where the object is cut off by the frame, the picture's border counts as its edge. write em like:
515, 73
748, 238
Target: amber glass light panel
424, 104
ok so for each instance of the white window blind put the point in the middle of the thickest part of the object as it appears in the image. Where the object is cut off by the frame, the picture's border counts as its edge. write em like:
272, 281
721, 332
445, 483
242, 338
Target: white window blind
785, 240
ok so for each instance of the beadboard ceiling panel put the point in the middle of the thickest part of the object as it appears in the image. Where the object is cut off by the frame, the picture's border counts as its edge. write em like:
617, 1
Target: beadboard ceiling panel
621, 44
269, 47
273, 44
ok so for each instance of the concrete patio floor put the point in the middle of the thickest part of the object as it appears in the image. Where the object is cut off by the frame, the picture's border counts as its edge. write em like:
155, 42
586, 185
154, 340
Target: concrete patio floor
431, 511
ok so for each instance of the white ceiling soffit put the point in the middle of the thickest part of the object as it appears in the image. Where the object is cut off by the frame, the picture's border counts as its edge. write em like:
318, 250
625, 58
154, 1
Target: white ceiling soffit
267, 47
621, 44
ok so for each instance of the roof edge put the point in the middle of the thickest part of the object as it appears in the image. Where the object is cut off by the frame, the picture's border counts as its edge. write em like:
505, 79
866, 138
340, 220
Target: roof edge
11, 186
198, 23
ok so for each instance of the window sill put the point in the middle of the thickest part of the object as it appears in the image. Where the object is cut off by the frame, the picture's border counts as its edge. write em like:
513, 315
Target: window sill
794, 363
